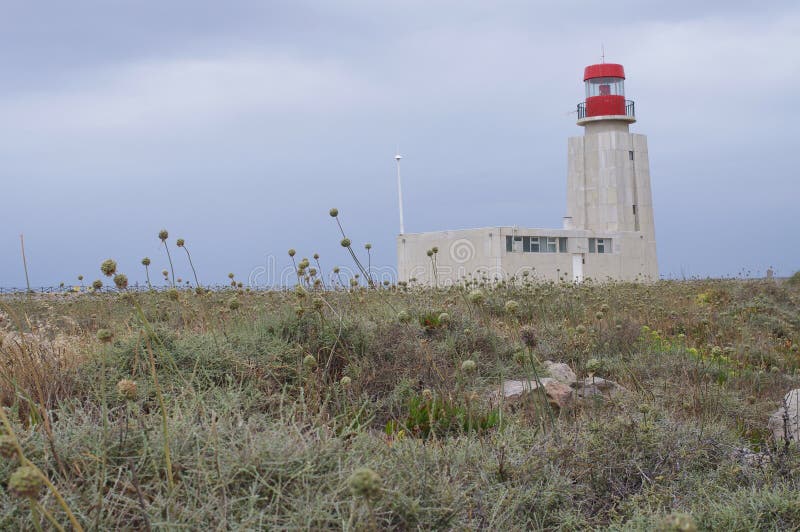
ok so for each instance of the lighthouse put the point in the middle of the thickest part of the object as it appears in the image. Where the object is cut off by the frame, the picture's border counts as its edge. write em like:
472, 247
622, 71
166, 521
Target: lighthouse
608, 175
608, 233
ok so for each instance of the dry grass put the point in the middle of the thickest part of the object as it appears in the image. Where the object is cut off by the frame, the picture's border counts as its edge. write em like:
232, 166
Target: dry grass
258, 438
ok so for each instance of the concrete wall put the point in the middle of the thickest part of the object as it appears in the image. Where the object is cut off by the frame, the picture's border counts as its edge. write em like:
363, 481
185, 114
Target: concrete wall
481, 254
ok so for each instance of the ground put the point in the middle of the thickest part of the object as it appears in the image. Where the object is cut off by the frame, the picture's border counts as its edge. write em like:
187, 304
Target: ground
379, 408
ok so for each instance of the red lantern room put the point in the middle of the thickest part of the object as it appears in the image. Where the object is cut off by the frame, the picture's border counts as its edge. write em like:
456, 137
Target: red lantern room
605, 95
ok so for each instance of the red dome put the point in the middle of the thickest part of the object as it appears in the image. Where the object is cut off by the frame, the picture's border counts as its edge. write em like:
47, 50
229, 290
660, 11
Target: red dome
604, 70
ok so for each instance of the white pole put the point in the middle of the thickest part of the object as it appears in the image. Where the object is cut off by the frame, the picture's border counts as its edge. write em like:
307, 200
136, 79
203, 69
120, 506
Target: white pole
400, 193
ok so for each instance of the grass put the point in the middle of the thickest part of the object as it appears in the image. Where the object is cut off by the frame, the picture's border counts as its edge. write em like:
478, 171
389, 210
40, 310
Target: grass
231, 425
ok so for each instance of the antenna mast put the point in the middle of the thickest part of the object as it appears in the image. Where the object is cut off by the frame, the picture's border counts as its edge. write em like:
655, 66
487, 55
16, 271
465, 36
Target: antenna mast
397, 158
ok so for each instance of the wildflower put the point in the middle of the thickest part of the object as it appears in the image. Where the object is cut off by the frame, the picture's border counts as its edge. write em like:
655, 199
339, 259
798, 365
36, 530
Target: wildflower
108, 267
345, 242
230, 275
334, 212
26, 481
593, 365
368, 246
435, 250
105, 335
163, 235
309, 362
7, 447
511, 306
476, 297
97, 284
80, 277
292, 252
336, 269
364, 482
468, 366
180, 242
528, 336
126, 389
146, 261
121, 280
429, 253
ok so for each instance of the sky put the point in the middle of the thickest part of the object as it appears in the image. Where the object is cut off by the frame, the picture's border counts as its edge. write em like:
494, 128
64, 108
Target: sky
238, 125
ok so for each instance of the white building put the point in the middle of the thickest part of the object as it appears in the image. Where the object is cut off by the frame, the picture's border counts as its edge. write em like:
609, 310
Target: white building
608, 231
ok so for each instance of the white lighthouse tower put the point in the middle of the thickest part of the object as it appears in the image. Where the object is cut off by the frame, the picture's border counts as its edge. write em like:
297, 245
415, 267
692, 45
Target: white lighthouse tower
608, 175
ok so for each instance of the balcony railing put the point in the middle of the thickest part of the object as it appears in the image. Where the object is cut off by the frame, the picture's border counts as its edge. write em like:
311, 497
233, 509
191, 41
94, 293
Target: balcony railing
629, 109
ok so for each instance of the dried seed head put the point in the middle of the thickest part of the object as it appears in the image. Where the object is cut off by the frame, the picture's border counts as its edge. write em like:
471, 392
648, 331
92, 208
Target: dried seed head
105, 335
233, 304
364, 482
345, 242
180, 242
173, 294
80, 277
146, 261
368, 246
126, 389
108, 267
334, 212
316, 256
511, 306
121, 280
230, 276
26, 481
476, 297
7, 447
345, 382
403, 316
292, 252
468, 366
97, 284
528, 336
309, 362
163, 235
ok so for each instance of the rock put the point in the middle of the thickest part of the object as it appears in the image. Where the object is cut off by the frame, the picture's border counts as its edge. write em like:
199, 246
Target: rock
558, 393
750, 458
560, 371
785, 422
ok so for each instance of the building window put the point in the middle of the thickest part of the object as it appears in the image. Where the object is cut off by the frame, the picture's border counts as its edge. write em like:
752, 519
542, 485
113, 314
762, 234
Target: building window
536, 244
630, 155
599, 245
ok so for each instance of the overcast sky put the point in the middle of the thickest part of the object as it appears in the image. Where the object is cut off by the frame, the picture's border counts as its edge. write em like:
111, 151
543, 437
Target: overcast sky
237, 125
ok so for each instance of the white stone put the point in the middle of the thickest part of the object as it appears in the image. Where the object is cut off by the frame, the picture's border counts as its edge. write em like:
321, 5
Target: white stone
560, 371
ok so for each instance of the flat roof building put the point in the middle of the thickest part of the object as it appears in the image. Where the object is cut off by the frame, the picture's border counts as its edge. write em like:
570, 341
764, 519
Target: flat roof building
608, 232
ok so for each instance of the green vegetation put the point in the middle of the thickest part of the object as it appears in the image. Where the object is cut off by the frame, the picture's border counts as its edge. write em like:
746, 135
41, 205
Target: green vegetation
377, 408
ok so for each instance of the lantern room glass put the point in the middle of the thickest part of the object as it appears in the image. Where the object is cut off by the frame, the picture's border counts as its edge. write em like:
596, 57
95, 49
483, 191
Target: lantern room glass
605, 87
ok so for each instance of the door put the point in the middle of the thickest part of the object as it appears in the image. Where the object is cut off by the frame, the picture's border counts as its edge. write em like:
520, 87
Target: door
577, 268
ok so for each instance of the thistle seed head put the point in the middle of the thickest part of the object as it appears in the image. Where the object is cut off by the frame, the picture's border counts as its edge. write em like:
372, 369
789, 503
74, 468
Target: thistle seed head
163, 235
126, 389
146, 261
108, 267
364, 482
26, 481
105, 335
